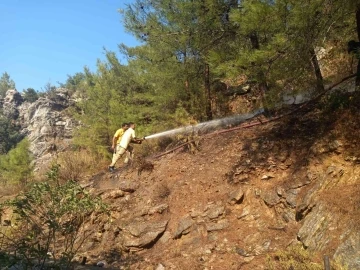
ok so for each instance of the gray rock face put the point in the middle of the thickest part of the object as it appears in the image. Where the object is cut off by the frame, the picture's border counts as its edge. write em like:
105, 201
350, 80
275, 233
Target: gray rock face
214, 211
270, 197
291, 196
128, 186
158, 209
236, 196
349, 251
315, 233
217, 226
11, 102
319, 220
183, 227
142, 234
44, 122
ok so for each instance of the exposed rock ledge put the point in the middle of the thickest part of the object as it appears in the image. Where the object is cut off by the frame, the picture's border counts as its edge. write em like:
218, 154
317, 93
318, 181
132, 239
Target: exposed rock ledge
44, 122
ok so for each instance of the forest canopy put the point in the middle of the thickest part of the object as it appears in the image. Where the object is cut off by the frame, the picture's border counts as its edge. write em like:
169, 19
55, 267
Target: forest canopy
206, 59
196, 57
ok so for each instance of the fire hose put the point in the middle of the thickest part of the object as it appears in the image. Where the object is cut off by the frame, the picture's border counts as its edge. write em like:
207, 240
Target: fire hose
259, 122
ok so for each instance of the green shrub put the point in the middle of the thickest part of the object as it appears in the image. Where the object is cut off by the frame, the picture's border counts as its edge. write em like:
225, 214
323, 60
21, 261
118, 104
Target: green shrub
338, 100
9, 134
16, 166
49, 219
30, 95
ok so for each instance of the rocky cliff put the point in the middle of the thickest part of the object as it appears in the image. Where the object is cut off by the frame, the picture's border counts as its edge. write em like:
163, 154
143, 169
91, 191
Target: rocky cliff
44, 122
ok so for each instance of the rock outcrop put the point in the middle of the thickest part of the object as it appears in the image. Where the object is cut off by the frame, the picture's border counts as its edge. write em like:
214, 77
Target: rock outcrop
45, 122
323, 225
11, 104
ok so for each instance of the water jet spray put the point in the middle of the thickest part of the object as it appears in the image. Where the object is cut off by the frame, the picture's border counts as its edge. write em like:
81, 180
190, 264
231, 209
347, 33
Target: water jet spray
208, 126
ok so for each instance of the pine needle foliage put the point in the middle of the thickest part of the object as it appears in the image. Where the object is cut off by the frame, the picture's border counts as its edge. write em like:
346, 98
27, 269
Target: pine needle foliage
16, 166
48, 221
192, 52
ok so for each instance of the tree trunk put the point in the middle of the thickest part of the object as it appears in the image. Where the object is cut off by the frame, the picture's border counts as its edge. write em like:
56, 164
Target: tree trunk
319, 78
187, 89
357, 81
262, 80
209, 115
254, 41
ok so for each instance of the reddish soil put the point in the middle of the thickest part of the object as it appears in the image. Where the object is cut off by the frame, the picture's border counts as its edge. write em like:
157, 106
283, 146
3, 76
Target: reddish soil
282, 150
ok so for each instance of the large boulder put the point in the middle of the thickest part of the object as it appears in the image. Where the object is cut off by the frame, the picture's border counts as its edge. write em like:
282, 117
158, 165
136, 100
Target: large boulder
11, 102
139, 235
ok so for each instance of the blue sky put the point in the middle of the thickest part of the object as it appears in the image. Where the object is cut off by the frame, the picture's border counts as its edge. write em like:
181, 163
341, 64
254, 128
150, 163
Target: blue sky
43, 41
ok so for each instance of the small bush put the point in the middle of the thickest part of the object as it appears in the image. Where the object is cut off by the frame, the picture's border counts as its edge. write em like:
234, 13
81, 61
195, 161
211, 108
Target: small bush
16, 166
49, 219
9, 134
74, 165
161, 191
30, 95
152, 146
338, 100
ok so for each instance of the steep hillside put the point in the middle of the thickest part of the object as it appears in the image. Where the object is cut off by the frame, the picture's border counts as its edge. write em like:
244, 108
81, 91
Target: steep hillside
238, 197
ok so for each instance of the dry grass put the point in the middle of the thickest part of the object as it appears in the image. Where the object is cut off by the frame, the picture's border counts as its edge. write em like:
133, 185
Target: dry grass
344, 201
152, 146
8, 190
143, 165
75, 165
161, 191
296, 257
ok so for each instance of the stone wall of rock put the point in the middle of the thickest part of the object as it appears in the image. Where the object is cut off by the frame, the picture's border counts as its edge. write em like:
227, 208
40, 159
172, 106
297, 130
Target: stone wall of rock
323, 225
44, 122
11, 102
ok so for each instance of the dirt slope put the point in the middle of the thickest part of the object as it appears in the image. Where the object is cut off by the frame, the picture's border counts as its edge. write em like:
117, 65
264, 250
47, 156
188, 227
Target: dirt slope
237, 198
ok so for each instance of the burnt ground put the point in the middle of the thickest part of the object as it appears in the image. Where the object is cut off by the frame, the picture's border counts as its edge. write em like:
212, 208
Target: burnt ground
260, 160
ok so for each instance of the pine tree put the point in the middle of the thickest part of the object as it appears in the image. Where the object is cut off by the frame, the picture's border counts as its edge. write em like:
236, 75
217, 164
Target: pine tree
6, 83
112, 98
30, 95
276, 43
354, 10
181, 34
9, 135
16, 166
